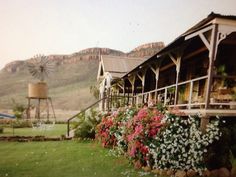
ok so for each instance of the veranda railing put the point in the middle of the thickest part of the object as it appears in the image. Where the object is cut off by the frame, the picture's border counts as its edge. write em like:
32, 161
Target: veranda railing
166, 95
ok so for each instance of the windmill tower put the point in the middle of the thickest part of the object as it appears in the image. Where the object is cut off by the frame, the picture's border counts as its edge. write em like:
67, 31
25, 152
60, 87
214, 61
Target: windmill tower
39, 67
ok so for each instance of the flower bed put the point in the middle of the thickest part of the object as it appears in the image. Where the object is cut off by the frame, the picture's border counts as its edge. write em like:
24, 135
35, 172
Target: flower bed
158, 140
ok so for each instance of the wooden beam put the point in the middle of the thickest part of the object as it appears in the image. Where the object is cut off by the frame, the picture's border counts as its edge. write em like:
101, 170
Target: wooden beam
196, 52
186, 57
119, 85
132, 81
177, 79
212, 56
153, 69
173, 58
229, 42
199, 32
140, 77
167, 66
205, 41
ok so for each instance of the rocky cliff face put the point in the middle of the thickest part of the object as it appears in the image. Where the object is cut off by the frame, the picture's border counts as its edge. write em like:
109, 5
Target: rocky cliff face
14, 66
145, 50
91, 54
70, 82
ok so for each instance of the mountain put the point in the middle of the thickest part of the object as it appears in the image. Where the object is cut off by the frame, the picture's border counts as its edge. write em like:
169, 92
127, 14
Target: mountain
69, 84
146, 49
89, 54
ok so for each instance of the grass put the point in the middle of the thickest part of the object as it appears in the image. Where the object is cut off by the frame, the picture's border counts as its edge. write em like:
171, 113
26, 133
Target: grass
57, 130
60, 159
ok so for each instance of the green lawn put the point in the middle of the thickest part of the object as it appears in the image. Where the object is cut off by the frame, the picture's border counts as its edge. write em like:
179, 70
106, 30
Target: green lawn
61, 159
56, 130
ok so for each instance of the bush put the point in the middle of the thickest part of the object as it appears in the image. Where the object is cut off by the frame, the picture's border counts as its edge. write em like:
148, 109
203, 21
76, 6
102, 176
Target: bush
18, 109
6, 121
111, 129
233, 140
220, 157
157, 139
131, 132
140, 132
181, 145
22, 124
86, 124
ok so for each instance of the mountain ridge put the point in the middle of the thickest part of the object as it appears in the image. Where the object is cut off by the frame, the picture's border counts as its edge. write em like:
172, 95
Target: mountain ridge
69, 85
90, 54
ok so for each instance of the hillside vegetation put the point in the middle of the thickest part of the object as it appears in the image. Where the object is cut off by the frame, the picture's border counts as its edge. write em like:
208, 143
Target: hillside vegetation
68, 85
70, 82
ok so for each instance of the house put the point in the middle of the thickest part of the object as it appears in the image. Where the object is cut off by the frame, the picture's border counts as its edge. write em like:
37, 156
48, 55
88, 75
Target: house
110, 69
196, 72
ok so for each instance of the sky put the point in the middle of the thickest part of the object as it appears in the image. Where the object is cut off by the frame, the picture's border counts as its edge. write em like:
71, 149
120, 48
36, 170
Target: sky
30, 27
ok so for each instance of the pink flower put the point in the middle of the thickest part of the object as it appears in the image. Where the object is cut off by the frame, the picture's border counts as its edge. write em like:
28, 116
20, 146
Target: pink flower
130, 137
138, 130
115, 113
132, 151
142, 113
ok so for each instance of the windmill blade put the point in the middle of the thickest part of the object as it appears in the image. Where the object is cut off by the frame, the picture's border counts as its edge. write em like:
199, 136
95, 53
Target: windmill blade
40, 67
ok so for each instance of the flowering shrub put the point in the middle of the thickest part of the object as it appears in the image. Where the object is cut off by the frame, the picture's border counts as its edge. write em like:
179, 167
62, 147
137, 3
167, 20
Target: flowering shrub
103, 131
181, 145
156, 139
119, 128
131, 132
111, 129
140, 132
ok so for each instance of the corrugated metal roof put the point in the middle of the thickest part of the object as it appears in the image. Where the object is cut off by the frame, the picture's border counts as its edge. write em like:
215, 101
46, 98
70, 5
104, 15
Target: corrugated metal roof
120, 65
180, 39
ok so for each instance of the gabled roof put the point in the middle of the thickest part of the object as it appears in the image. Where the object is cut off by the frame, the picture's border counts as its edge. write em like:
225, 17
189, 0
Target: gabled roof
207, 20
203, 23
181, 39
118, 66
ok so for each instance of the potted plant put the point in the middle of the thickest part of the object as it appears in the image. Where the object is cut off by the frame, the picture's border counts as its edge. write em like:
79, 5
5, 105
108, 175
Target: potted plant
233, 102
221, 72
171, 96
181, 98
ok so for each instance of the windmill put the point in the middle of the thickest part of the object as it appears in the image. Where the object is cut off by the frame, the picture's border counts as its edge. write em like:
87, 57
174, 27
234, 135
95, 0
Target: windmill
40, 67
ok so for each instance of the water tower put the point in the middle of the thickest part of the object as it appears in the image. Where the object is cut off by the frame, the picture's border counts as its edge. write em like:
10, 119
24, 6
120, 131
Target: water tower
40, 67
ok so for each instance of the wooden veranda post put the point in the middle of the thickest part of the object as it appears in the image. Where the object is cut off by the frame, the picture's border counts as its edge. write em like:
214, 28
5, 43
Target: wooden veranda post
124, 92
103, 101
156, 71
177, 62
108, 100
132, 81
142, 78
212, 47
212, 51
